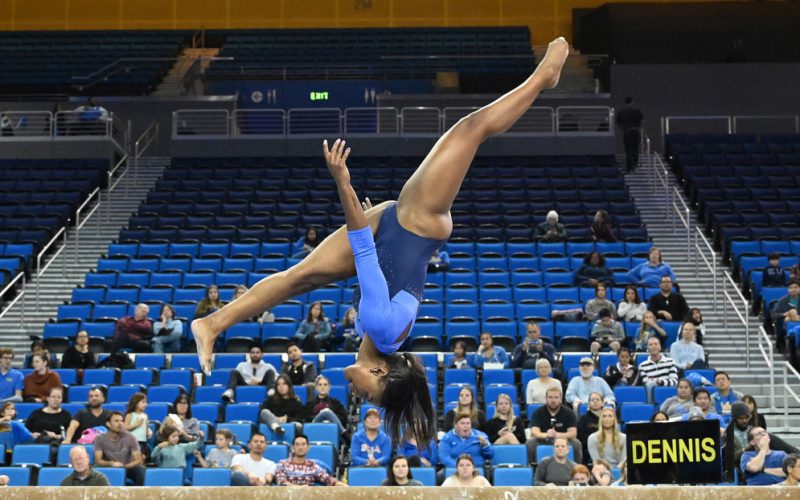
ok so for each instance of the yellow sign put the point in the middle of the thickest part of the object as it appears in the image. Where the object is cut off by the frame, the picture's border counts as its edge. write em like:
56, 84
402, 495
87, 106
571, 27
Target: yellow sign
674, 451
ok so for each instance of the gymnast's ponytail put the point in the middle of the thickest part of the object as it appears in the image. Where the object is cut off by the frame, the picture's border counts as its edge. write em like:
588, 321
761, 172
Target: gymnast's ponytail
408, 409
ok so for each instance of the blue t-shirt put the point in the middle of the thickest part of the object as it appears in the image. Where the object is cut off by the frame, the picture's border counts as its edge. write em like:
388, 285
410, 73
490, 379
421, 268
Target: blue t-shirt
10, 383
773, 460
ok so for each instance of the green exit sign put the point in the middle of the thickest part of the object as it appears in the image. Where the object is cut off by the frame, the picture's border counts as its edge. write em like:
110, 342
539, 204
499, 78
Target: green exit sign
318, 96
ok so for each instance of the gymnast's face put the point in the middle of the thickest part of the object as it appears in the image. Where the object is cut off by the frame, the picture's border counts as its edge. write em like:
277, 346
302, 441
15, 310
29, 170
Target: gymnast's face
366, 382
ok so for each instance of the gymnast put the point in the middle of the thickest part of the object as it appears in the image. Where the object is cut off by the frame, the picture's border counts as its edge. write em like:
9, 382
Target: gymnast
388, 246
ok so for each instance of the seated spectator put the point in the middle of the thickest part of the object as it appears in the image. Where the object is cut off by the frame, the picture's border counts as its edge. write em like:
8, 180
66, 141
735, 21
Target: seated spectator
307, 243
38, 383
601, 229
440, 261
181, 418
79, 356
599, 303
253, 469
756, 419
532, 349
219, 456
465, 476
50, 421
785, 309
459, 358
82, 472
13, 432
606, 332
659, 416
608, 443
791, 468
137, 422
314, 332
118, 448
623, 372
725, 396
657, 370
398, 473
686, 353
594, 271
505, 427
552, 421
773, 273
649, 329
580, 476
668, 305
370, 447
489, 355
696, 318
283, 407
535, 392
254, 371
702, 401
679, 405
266, 317
37, 347
550, 230
300, 470
581, 386
428, 457
90, 417
168, 331
323, 408
170, 452
649, 273
210, 303
601, 473
555, 470
761, 465
468, 405
11, 381
589, 422
347, 339
463, 439
134, 332
299, 371
631, 309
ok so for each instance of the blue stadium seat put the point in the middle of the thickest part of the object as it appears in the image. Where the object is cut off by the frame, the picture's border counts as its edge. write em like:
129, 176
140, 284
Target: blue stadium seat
512, 454
52, 476
322, 433
156, 361
513, 476
182, 378
211, 477
206, 411
104, 376
242, 412
242, 431
36, 454
116, 476
425, 475
163, 476
122, 393
63, 453
165, 394
18, 476
366, 476
625, 395
636, 412
251, 394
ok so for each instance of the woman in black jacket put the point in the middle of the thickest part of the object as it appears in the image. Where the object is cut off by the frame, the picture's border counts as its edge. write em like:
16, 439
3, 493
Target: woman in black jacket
323, 408
282, 407
79, 356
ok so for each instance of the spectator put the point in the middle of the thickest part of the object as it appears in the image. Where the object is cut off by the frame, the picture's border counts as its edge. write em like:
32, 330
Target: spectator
370, 447
589, 422
756, 419
252, 469
686, 353
791, 468
307, 243
505, 427
785, 309
37, 347
550, 230
489, 355
657, 370
465, 476
137, 422
168, 331
266, 317
468, 405
283, 407
182, 419
119, 448
649, 329
134, 332
459, 357
463, 439
679, 405
725, 396
629, 119
601, 229
170, 452
299, 371
773, 273
536, 391
219, 456
607, 332
51, 421
696, 318
601, 473
551, 421
702, 400
87, 418
79, 356
608, 443
532, 349
38, 383
659, 416
13, 432
599, 303
210, 303
580, 476
649, 273
623, 372
631, 308
301, 471
428, 457
581, 386
314, 332
399, 474
555, 470
255, 371
668, 305
594, 271
82, 472
11, 381
761, 465
323, 408
346, 336
440, 261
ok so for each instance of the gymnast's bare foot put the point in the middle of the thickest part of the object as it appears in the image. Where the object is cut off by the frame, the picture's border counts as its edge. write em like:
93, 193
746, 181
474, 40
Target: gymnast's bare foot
204, 338
549, 69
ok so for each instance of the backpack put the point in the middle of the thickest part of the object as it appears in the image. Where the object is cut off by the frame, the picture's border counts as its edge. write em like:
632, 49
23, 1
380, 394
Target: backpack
89, 435
117, 360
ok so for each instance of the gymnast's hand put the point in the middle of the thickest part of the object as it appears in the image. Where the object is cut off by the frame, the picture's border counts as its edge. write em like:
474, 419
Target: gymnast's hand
366, 204
336, 158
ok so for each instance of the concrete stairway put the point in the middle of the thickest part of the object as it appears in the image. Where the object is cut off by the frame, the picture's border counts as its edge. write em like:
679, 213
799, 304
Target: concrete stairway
69, 268
173, 82
725, 346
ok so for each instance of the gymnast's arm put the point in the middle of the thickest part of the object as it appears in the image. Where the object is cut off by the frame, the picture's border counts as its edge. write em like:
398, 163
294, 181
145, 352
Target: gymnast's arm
336, 158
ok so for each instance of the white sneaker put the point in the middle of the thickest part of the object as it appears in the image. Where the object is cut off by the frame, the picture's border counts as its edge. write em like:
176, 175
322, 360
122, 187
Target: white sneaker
227, 396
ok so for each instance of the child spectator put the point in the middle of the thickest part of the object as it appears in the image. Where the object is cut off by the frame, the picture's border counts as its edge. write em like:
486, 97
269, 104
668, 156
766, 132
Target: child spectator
137, 421
222, 455
773, 273
170, 452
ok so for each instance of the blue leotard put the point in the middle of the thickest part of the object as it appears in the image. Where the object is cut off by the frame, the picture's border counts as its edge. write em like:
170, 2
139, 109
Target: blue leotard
391, 270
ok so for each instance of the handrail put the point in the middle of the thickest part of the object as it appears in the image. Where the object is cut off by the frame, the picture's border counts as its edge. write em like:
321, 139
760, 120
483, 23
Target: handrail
20, 295
110, 187
794, 118
199, 39
696, 118
787, 389
138, 149
40, 270
78, 223
744, 318
683, 214
769, 358
711, 264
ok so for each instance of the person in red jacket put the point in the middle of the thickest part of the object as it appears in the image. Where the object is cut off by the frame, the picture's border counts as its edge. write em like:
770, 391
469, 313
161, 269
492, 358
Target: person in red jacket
134, 332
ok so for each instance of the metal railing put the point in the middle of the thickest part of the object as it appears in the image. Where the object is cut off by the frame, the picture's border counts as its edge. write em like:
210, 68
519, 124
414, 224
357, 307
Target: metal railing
17, 298
789, 389
743, 312
20, 124
201, 122
40, 270
372, 121
420, 121
80, 223
314, 122
776, 124
768, 354
140, 146
537, 120
661, 180
112, 185
585, 119
670, 123
683, 214
259, 122
710, 261
82, 123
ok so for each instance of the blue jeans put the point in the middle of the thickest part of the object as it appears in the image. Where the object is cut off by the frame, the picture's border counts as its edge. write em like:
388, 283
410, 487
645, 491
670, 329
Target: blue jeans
167, 343
327, 415
239, 479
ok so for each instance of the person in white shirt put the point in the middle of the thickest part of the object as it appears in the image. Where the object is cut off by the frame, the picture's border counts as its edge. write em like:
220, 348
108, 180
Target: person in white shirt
686, 353
252, 372
536, 391
252, 469
631, 308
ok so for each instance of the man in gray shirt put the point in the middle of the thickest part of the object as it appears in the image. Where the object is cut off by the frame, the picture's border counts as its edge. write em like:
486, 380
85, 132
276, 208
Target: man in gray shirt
82, 472
555, 470
254, 371
119, 448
